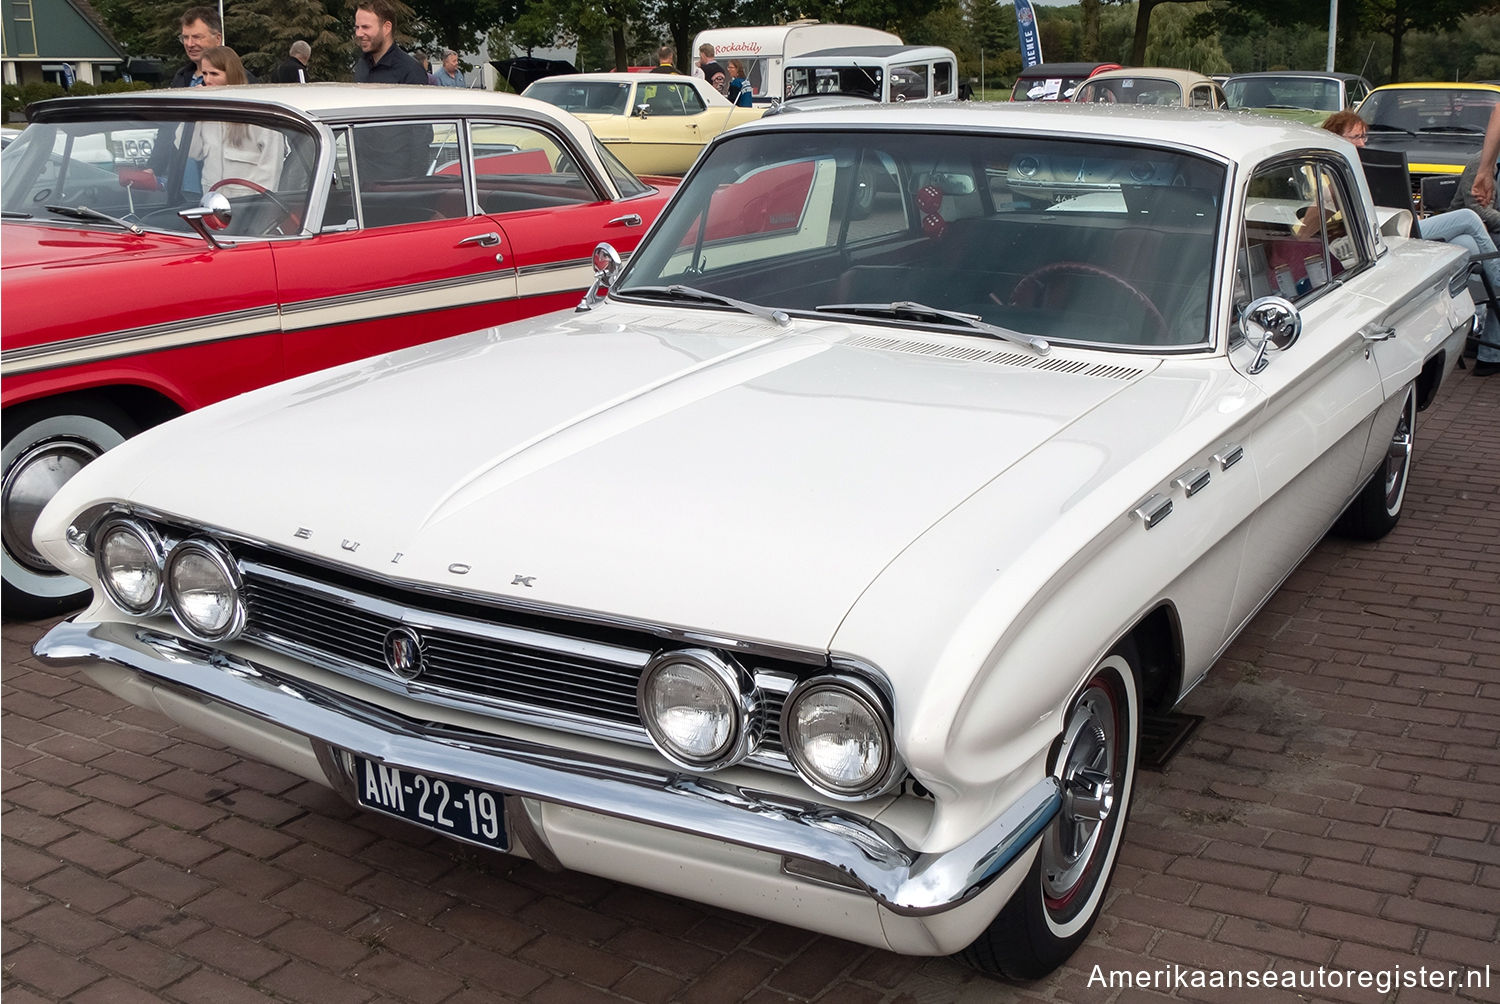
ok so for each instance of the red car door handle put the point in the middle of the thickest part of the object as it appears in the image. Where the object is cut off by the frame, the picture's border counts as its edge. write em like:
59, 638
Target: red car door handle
488, 240
630, 220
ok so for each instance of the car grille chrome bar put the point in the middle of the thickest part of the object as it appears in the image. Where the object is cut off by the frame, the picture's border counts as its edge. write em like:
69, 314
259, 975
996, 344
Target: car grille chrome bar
507, 671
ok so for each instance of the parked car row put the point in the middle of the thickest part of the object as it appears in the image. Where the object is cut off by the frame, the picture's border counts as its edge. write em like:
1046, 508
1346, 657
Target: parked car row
824, 563
1439, 127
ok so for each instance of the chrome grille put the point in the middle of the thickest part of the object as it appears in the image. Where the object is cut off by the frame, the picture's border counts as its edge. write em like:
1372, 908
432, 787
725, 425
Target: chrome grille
518, 671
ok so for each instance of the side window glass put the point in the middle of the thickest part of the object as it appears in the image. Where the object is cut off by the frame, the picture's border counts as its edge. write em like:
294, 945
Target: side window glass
692, 101
663, 99
1202, 97
340, 212
909, 83
1296, 233
519, 167
408, 172
942, 78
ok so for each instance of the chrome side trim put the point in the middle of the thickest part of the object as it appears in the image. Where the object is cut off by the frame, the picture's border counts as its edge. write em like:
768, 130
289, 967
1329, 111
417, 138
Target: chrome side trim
223, 327
901, 879
1153, 510
1229, 456
1193, 481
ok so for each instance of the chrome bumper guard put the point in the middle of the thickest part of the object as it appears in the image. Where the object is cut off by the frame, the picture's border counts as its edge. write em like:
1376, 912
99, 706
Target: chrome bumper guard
871, 857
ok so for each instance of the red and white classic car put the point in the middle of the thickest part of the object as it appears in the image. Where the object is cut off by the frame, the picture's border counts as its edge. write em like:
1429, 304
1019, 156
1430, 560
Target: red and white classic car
170, 249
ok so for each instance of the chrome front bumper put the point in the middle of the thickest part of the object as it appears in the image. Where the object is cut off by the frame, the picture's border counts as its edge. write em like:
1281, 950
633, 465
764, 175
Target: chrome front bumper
863, 854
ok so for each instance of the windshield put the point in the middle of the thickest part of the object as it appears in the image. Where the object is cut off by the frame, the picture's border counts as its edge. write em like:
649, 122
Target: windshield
1130, 91
141, 172
600, 97
1430, 109
1313, 93
1067, 240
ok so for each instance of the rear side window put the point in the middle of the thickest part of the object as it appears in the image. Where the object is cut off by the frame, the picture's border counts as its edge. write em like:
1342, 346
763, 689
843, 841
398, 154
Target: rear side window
408, 172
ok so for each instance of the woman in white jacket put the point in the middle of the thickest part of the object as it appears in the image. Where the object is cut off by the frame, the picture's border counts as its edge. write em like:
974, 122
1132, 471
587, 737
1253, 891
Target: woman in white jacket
234, 150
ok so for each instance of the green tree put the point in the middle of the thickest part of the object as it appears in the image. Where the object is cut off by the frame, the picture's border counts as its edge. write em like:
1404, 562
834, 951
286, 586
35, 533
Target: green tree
263, 30
1178, 40
1396, 18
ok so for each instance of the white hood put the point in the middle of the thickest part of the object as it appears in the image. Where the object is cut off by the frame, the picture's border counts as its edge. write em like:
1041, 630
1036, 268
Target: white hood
666, 467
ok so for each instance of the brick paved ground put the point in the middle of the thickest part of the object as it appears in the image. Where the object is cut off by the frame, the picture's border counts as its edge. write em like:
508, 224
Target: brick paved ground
1339, 807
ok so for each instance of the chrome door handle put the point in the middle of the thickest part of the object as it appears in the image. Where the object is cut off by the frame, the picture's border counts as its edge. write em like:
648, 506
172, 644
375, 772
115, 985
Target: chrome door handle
1374, 334
628, 220
488, 240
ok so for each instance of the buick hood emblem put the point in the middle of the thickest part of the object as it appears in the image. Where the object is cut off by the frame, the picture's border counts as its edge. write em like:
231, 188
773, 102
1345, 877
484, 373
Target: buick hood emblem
403, 653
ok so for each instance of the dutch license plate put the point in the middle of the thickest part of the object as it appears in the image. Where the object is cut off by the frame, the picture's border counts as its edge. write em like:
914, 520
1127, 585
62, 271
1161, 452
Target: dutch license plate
450, 807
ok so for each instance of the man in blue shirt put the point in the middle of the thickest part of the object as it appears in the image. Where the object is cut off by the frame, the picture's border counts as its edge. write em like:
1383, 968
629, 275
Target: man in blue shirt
381, 60
449, 75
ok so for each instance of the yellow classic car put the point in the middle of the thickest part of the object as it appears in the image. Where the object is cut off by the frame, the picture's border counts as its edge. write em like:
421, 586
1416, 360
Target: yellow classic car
656, 123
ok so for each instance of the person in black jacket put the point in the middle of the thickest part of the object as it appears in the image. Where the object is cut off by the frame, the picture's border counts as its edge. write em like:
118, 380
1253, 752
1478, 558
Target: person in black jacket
381, 60
666, 56
293, 69
201, 30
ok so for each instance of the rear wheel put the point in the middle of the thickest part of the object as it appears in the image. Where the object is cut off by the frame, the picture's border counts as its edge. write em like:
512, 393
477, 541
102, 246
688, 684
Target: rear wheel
1056, 906
45, 445
1376, 510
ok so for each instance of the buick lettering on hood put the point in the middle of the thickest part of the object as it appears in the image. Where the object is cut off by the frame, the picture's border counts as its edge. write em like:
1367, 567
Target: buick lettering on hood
824, 563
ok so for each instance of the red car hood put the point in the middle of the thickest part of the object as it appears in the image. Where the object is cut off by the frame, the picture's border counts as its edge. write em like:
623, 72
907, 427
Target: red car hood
31, 244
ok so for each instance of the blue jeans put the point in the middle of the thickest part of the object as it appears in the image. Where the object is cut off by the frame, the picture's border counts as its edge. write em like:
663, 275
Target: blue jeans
1464, 228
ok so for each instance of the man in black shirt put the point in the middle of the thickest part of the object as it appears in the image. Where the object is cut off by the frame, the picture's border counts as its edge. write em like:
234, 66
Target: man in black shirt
293, 69
708, 64
382, 61
665, 57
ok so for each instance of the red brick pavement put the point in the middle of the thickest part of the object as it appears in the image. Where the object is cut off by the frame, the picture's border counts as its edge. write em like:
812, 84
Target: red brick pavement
1339, 808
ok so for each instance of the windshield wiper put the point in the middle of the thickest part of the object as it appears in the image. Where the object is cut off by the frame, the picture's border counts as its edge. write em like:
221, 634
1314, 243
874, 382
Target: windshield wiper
1463, 129
676, 292
907, 308
1389, 128
11, 214
85, 213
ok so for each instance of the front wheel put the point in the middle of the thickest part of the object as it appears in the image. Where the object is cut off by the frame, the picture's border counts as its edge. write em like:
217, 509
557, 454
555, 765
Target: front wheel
1377, 508
46, 443
1055, 908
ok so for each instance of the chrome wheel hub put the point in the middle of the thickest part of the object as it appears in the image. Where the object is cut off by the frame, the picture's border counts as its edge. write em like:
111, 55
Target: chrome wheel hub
1397, 459
30, 482
1090, 751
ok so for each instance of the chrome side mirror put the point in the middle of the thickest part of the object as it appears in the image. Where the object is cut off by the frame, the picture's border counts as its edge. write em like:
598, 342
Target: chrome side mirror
213, 213
607, 267
642, 110
1271, 322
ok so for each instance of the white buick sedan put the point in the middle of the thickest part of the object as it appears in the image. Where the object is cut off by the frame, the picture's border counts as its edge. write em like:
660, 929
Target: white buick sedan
825, 567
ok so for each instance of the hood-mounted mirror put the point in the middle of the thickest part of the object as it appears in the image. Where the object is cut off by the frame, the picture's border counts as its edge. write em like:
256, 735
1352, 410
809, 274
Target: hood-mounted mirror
607, 267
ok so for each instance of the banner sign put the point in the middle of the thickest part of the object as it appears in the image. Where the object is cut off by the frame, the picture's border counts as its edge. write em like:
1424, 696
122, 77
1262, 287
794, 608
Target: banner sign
1031, 42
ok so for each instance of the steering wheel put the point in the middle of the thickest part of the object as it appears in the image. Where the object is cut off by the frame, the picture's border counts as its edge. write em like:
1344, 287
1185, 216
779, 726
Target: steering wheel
1030, 286
291, 215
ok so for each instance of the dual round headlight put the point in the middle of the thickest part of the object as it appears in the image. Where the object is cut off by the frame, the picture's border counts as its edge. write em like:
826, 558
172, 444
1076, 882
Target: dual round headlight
197, 579
704, 713
701, 711
838, 735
